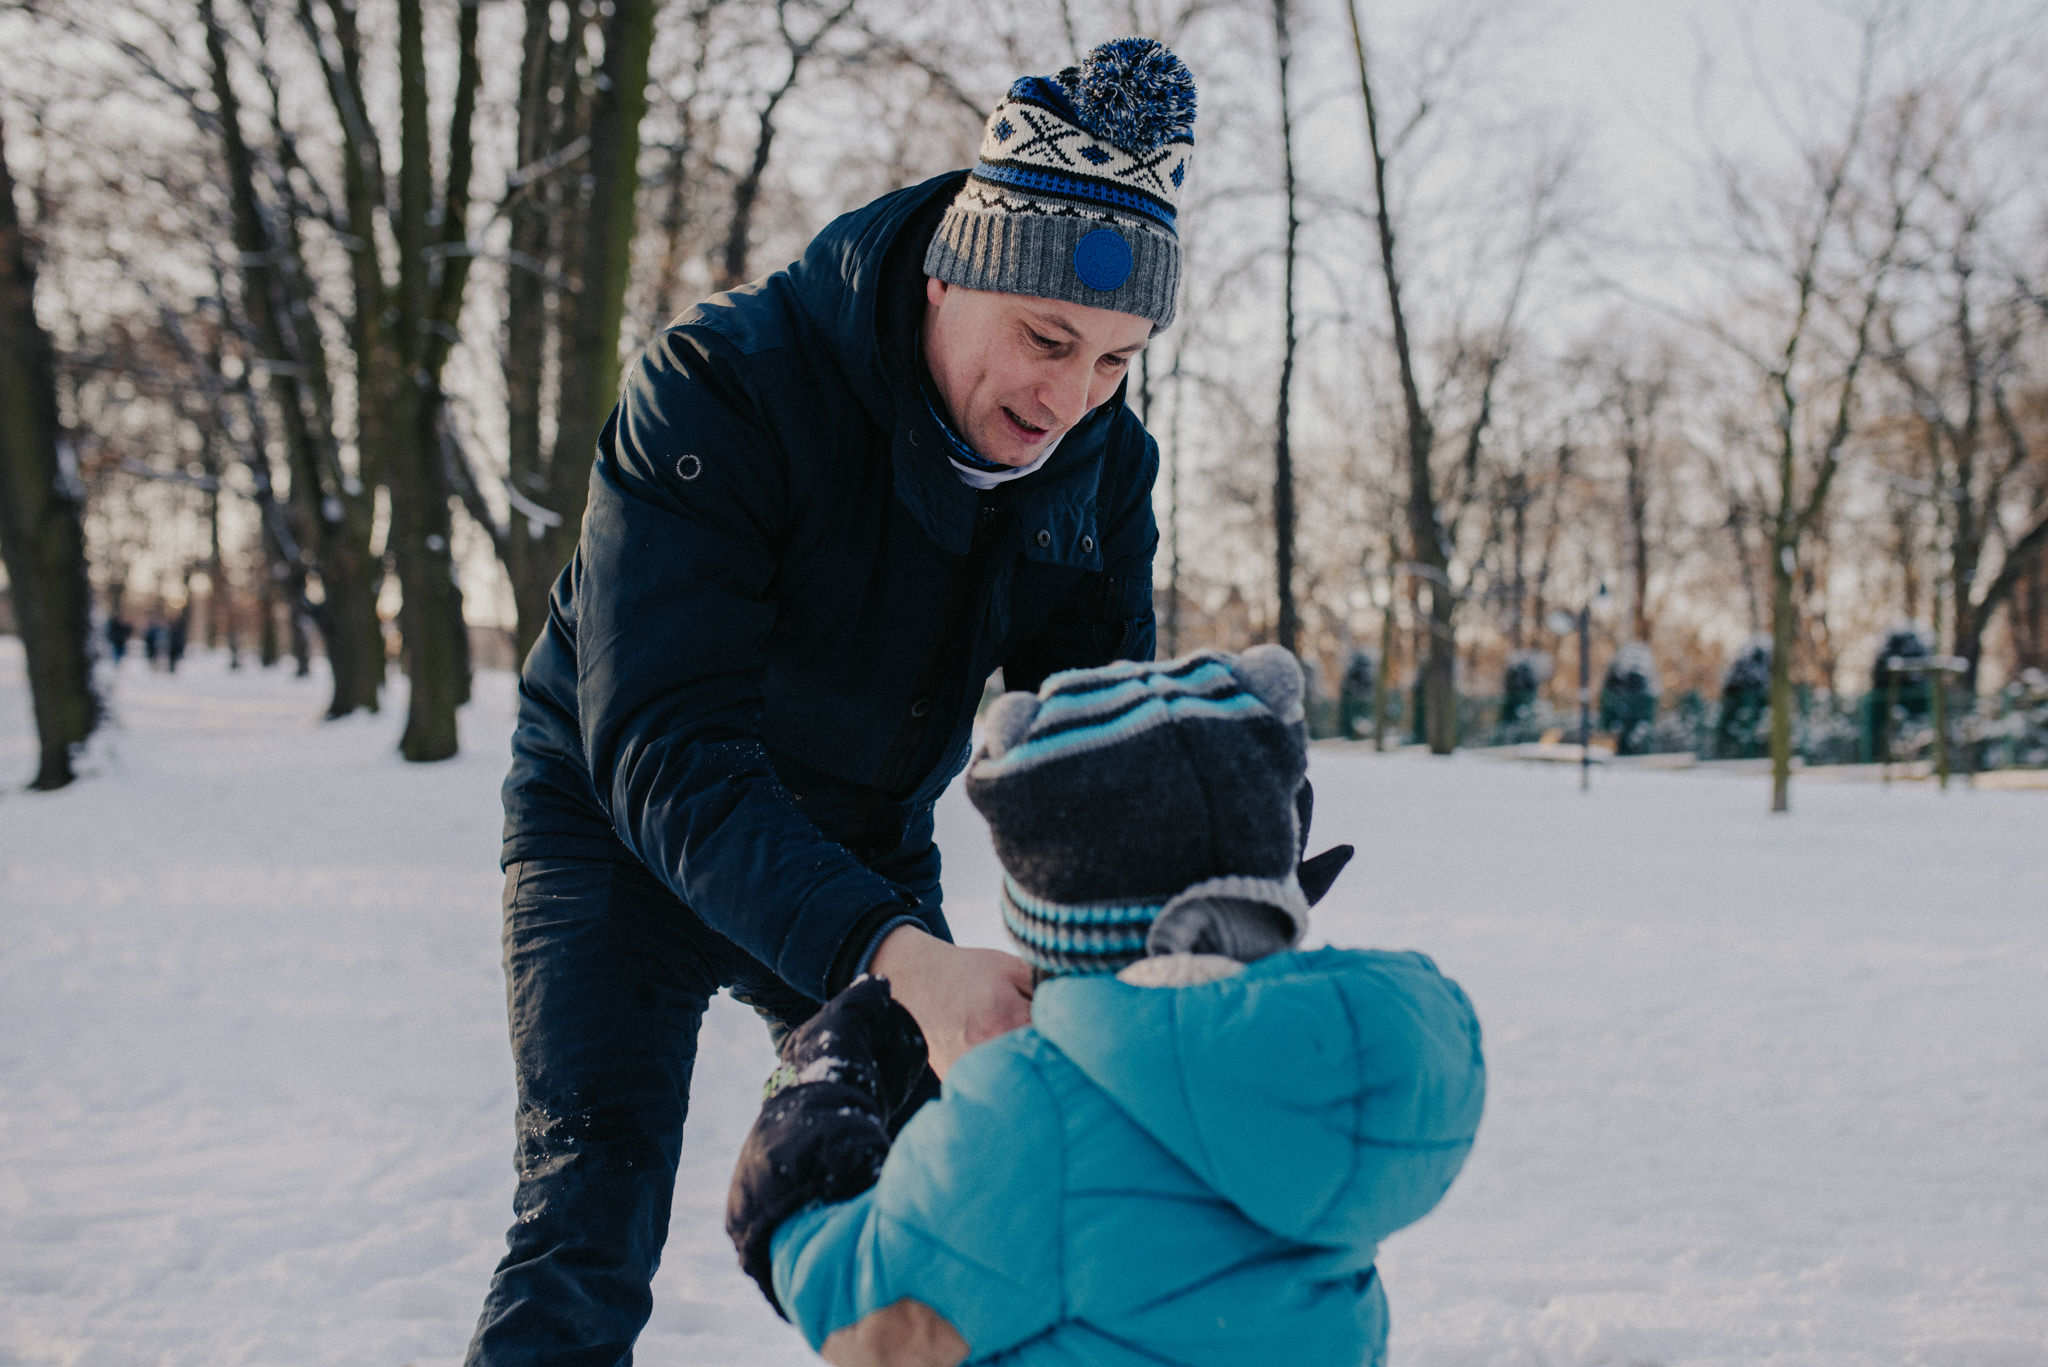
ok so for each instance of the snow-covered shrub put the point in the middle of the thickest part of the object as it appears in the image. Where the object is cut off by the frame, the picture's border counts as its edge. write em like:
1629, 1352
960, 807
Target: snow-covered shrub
1318, 705
1826, 730
1524, 716
1354, 695
1686, 727
1903, 730
1904, 642
1628, 698
2017, 737
1742, 730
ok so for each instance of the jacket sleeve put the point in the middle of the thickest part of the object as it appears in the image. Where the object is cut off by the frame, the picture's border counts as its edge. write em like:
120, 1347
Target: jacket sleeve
964, 1219
675, 603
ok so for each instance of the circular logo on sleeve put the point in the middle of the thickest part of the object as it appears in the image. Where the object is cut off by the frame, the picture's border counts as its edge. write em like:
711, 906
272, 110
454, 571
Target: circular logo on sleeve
1103, 259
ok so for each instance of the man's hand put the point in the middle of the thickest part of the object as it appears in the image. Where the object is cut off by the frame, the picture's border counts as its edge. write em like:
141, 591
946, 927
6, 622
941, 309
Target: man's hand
960, 997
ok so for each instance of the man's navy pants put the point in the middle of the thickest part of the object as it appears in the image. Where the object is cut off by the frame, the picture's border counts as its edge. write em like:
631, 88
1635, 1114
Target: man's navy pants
607, 977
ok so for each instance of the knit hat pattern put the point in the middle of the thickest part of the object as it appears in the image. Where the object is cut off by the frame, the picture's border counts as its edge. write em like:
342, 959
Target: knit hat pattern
1076, 192
1128, 802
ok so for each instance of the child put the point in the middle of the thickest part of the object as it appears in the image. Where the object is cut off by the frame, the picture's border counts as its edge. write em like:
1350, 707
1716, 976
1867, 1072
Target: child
1191, 1154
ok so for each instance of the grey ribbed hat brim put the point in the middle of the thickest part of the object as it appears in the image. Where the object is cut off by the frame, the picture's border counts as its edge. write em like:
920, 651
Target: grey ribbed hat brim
1033, 253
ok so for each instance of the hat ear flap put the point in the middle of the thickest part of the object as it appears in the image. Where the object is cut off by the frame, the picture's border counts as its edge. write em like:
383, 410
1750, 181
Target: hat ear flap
1274, 675
1008, 718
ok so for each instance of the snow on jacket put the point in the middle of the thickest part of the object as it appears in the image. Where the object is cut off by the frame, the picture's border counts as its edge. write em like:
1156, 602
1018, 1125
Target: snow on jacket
1192, 1175
761, 666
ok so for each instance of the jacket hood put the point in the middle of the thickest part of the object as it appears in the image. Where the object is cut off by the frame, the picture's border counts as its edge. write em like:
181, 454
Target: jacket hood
858, 283
1330, 1095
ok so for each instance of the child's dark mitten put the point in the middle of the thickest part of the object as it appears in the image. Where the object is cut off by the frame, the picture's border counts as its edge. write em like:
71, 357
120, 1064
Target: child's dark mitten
823, 1134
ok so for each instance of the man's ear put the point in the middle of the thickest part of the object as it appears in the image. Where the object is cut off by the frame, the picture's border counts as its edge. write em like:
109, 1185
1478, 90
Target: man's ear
934, 290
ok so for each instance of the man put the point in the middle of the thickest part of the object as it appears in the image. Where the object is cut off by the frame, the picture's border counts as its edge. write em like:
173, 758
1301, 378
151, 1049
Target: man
829, 505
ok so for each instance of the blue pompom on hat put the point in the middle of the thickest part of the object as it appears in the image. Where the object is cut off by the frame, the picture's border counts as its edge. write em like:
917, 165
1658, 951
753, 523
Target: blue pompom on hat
1077, 189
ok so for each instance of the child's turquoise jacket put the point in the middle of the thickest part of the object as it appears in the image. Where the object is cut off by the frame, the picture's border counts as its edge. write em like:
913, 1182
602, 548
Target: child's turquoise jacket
1194, 1175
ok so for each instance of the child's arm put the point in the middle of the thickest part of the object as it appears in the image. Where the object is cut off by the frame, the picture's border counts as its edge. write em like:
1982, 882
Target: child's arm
822, 1134
955, 1250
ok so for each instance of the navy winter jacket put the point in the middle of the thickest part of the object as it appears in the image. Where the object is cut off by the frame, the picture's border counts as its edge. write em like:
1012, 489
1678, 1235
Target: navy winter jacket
760, 669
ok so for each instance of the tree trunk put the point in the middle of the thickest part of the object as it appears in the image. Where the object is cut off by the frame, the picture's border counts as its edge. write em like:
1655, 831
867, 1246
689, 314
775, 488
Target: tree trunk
42, 533
1783, 621
590, 361
1283, 460
527, 547
2030, 616
1638, 494
267, 651
587, 233
428, 307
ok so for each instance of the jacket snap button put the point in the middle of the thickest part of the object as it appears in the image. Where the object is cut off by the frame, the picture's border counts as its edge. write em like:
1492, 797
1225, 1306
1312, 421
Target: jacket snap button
920, 707
1087, 545
1044, 538
913, 437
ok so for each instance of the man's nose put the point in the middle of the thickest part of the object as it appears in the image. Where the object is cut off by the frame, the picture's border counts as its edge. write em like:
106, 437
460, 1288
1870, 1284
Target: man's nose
1065, 391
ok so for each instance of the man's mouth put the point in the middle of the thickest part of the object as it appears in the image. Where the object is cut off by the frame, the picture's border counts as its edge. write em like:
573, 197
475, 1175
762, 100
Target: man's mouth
1023, 428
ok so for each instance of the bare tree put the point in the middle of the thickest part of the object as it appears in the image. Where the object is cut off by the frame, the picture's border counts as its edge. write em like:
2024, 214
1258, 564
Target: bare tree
746, 193
1438, 496
278, 309
1639, 389
1835, 266
402, 327
1959, 380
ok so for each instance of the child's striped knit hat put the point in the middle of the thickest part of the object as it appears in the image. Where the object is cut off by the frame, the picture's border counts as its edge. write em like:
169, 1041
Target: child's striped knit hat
1077, 187
1129, 803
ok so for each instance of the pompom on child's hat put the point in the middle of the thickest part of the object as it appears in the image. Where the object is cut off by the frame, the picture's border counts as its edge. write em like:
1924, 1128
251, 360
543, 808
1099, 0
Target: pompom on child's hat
1077, 189
1146, 808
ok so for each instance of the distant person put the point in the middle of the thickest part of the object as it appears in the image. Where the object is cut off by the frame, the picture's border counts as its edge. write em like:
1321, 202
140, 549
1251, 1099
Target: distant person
174, 638
1193, 1152
153, 642
119, 629
828, 506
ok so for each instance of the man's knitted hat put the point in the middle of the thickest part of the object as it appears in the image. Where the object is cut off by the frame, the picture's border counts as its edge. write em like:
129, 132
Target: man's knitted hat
1149, 808
1077, 187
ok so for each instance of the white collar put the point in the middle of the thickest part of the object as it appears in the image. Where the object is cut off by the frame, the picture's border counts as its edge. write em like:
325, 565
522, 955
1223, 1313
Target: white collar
989, 479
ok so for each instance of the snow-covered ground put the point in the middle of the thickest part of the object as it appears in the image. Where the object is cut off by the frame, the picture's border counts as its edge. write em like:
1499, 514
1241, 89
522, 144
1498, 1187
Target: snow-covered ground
1763, 1090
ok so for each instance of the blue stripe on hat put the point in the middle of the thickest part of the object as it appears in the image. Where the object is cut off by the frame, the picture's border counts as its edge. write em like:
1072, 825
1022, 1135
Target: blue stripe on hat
1213, 677
1071, 953
1088, 914
1089, 944
1151, 713
1063, 938
1074, 682
1085, 188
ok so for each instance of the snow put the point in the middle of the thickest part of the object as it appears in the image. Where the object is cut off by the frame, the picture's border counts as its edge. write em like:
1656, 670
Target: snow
1764, 1090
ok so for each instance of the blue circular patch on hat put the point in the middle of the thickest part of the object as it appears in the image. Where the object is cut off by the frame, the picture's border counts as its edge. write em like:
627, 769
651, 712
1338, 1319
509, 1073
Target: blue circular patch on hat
1103, 259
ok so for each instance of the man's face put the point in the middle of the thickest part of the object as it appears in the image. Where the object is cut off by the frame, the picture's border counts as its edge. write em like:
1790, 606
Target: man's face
1016, 371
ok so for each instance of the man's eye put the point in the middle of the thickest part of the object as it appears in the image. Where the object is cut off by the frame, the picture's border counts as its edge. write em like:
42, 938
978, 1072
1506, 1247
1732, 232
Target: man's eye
1044, 343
